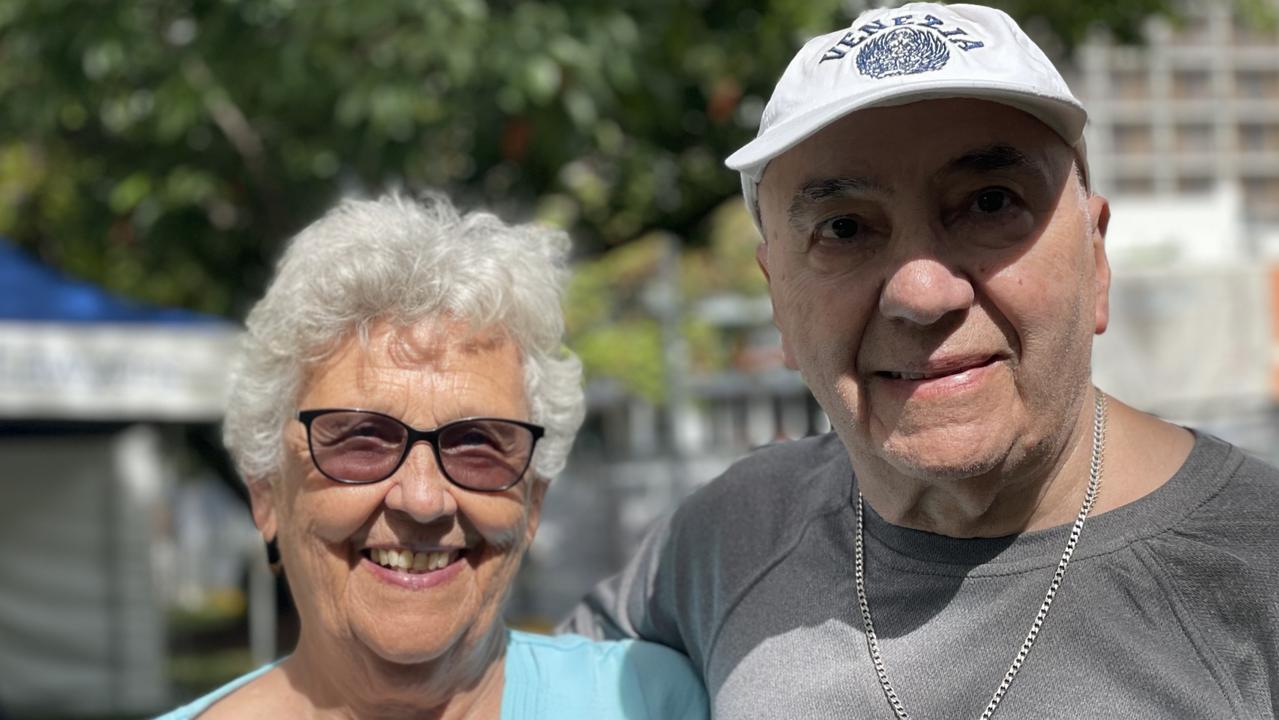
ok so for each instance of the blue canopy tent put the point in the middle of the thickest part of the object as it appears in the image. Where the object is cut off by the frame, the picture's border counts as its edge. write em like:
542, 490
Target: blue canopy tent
90, 384
31, 291
69, 350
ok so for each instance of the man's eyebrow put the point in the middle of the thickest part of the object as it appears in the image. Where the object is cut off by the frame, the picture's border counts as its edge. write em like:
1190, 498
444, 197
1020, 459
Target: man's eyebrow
989, 159
816, 191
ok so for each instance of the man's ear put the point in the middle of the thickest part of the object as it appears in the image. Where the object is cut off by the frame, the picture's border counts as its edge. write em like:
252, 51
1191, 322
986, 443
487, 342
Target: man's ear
262, 501
761, 259
1099, 211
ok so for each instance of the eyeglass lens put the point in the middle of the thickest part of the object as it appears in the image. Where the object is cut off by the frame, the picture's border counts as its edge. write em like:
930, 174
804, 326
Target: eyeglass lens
361, 447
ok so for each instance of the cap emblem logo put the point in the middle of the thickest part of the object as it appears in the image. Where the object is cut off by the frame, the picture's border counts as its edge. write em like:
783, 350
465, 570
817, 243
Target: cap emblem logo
902, 51
901, 45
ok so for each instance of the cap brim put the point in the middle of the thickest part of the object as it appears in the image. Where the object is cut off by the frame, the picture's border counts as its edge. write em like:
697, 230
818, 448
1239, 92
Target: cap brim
1064, 117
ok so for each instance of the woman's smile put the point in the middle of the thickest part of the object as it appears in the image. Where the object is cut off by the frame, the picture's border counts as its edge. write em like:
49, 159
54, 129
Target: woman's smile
411, 570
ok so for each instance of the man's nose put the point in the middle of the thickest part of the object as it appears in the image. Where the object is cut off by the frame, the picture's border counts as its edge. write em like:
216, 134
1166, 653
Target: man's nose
924, 288
420, 489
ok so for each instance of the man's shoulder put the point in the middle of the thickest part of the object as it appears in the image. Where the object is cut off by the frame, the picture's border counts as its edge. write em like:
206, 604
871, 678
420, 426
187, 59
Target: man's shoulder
1245, 488
813, 465
1259, 475
1219, 517
1217, 562
787, 483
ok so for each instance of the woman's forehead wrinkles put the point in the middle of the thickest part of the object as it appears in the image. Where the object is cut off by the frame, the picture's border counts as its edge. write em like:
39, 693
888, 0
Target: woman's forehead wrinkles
437, 345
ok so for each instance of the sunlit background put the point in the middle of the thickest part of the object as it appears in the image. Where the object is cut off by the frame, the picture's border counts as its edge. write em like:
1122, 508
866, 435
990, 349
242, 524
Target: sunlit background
154, 156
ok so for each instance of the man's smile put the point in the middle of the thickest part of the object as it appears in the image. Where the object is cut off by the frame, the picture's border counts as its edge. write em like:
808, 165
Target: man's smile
938, 367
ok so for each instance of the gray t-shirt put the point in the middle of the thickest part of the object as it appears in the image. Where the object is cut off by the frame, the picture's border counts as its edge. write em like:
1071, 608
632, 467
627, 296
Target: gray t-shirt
1170, 607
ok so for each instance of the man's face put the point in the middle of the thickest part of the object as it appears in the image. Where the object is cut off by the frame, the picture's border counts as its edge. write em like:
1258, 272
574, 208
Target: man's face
937, 276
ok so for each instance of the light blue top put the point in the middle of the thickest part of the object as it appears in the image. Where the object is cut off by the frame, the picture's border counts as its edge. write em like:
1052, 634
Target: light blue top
564, 677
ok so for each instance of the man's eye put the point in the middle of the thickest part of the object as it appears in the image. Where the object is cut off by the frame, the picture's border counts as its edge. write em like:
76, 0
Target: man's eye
838, 229
992, 200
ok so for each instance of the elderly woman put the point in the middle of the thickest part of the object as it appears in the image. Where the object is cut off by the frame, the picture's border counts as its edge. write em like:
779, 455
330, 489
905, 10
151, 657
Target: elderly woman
400, 403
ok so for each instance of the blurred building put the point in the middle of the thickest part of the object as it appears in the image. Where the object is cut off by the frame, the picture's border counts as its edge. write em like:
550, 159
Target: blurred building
1183, 137
1196, 106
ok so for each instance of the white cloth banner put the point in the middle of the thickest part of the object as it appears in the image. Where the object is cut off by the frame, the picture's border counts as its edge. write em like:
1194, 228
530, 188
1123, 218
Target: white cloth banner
77, 371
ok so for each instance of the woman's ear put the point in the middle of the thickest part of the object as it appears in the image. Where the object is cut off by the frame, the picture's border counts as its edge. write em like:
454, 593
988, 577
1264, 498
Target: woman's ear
262, 501
537, 492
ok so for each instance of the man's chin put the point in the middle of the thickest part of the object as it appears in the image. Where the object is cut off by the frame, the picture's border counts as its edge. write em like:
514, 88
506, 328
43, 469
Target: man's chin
941, 472
944, 462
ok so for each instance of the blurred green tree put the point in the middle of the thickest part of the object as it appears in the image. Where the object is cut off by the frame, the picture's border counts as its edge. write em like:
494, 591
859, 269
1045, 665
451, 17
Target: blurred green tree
164, 148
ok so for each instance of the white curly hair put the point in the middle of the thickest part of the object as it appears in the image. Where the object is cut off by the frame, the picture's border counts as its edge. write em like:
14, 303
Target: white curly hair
403, 261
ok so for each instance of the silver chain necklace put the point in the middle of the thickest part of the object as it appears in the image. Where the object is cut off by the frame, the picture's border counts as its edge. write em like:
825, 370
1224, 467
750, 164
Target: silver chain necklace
872, 641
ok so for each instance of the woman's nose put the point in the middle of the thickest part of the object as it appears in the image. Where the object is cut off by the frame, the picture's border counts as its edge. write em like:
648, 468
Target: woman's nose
420, 489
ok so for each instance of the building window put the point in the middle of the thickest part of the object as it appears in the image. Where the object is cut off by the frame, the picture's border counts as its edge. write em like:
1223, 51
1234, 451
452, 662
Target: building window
1261, 198
1194, 184
1261, 195
1142, 185
1257, 84
1247, 32
1197, 30
1195, 138
1132, 139
1131, 85
1191, 85
1258, 138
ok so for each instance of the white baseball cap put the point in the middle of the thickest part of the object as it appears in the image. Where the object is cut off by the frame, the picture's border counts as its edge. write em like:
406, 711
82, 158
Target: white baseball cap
895, 56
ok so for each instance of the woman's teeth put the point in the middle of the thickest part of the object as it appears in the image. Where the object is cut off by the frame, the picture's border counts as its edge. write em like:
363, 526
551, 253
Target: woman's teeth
409, 561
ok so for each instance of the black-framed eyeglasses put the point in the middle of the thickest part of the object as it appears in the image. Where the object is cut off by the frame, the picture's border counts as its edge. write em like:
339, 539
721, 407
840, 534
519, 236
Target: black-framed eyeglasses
361, 446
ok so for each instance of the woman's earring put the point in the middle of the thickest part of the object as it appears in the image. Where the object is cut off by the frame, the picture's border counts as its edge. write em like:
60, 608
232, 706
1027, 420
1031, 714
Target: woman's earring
273, 556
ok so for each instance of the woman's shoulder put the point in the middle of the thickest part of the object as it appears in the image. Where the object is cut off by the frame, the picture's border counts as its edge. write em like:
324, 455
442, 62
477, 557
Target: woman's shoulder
612, 655
227, 701
620, 679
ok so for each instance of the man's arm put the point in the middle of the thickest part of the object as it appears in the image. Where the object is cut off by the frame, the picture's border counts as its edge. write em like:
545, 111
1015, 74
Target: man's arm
635, 603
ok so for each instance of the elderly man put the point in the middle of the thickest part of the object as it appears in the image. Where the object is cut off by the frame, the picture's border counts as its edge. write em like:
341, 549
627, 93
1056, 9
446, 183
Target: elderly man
937, 267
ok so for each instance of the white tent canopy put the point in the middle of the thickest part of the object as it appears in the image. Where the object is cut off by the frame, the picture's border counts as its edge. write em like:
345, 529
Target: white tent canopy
113, 371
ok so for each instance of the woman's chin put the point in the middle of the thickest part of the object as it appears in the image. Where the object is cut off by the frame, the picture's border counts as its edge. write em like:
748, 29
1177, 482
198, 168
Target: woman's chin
409, 628
412, 644
405, 649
